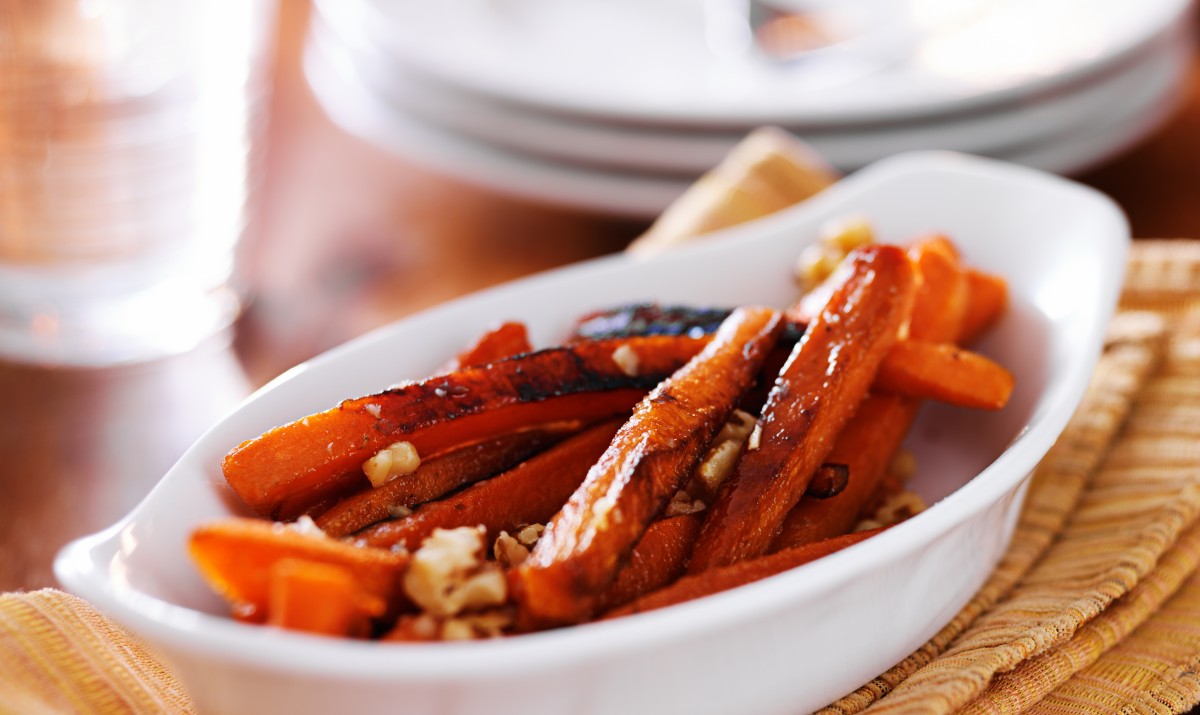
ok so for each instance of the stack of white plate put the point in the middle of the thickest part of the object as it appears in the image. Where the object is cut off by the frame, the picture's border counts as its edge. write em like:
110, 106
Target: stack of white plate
618, 105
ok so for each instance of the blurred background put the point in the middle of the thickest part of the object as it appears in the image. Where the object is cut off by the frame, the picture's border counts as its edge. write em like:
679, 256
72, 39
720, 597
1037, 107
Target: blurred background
413, 152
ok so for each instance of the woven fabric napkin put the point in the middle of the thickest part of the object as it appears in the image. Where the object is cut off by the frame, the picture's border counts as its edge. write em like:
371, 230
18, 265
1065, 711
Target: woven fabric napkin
1095, 607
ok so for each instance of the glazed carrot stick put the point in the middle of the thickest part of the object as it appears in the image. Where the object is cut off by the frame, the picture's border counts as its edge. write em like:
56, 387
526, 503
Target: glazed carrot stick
657, 560
436, 477
723, 578
946, 373
865, 446
942, 292
987, 298
288, 469
499, 342
320, 598
649, 459
235, 556
529, 493
873, 435
816, 394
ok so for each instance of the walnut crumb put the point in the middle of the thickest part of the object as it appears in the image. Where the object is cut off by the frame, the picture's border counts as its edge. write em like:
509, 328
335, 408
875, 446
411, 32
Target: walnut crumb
509, 551
682, 503
626, 359
528, 535
448, 574
393, 461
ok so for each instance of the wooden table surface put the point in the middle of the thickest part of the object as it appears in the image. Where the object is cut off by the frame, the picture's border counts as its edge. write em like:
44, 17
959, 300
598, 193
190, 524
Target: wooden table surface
348, 239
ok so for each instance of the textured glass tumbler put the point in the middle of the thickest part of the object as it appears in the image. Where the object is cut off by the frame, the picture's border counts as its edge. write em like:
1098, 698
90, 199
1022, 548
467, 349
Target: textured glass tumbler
128, 131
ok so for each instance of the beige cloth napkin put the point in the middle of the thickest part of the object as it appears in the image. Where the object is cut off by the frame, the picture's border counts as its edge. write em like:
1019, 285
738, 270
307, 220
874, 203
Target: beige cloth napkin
1095, 607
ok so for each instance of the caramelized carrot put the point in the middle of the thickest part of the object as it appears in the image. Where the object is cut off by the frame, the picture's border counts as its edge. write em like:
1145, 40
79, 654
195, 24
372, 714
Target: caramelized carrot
987, 298
865, 446
436, 477
649, 459
290, 468
873, 435
816, 394
320, 598
942, 292
235, 556
723, 578
529, 493
657, 560
946, 373
502, 341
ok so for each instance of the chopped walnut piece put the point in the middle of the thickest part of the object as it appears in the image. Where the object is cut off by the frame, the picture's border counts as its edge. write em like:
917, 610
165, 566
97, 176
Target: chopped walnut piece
627, 359
509, 552
427, 627
390, 462
448, 573
682, 503
305, 525
529, 535
903, 465
894, 510
836, 239
717, 464
471, 626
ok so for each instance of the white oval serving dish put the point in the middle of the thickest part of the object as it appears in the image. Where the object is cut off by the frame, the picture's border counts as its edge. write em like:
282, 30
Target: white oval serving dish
786, 644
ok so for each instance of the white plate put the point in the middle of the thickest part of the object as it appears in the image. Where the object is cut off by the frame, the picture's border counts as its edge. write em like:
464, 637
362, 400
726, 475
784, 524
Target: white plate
358, 111
1132, 117
786, 644
653, 61
645, 195
631, 148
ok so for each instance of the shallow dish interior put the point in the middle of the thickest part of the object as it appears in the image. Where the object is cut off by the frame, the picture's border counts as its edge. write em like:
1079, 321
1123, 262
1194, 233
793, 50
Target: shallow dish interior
1062, 248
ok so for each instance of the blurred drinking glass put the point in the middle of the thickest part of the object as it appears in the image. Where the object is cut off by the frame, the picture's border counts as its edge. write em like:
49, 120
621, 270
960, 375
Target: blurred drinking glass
126, 130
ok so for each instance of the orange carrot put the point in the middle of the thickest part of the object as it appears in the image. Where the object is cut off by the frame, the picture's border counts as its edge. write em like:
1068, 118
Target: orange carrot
882, 419
288, 469
499, 342
946, 373
657, 560
320, 598
236, 556
987, 298
436, 477
816, 394
649, 459
874, 434
723, 578
529, 493
942, 293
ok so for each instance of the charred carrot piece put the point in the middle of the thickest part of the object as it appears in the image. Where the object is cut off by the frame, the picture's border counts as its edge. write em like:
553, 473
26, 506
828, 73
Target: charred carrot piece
436, 477
987, 298
502, 341
290, 468
529, 493
236, 556
723, 578
657, 560
945, 373
649, 459
320, 598
865, 446
818, 391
